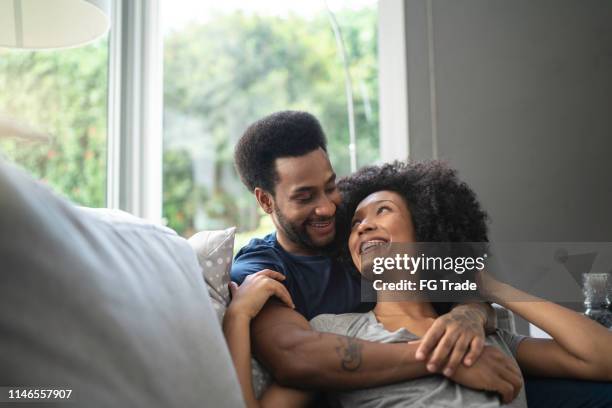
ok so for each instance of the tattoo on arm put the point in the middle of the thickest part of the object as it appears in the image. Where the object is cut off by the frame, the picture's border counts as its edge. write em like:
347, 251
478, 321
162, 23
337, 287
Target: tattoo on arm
469, 316
484, 310
349, 351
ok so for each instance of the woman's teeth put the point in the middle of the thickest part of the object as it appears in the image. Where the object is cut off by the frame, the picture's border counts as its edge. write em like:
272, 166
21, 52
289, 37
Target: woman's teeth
371, 244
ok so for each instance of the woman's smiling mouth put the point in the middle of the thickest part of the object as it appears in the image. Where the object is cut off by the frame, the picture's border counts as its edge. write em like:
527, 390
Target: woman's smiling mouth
370, 244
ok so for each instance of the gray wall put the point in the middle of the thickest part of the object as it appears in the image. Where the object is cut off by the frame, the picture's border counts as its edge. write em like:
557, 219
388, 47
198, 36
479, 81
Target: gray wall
517, 94
522, 106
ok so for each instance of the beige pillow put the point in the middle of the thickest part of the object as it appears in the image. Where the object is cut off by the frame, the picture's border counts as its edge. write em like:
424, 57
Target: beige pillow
214, 250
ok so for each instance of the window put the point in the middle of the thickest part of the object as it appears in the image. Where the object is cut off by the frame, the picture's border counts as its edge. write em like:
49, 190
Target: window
227, 64
64, 94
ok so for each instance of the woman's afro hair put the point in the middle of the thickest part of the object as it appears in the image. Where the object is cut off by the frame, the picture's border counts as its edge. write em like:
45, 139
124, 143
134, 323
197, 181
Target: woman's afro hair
443, 208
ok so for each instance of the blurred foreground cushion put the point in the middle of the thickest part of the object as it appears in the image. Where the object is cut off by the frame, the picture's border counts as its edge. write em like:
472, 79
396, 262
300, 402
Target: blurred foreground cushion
105, 304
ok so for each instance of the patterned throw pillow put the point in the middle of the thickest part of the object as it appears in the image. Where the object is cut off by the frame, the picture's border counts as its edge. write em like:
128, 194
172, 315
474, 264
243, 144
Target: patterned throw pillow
214, 250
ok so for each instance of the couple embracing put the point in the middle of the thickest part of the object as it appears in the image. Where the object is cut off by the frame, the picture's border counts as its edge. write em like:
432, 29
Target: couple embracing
297, 306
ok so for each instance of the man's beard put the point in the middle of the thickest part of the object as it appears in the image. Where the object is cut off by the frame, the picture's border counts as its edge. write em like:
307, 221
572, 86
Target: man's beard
298, 234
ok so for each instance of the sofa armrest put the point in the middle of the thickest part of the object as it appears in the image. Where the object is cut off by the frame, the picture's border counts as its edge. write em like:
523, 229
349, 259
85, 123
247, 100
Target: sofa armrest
505, 318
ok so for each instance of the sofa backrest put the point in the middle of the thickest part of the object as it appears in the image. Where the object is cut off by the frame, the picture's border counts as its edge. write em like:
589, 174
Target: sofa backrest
105, 304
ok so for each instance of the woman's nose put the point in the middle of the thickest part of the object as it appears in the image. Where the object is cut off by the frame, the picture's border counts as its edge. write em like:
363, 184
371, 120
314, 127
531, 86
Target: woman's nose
365, 226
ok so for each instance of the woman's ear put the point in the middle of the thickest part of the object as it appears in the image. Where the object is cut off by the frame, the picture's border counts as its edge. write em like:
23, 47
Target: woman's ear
265, 200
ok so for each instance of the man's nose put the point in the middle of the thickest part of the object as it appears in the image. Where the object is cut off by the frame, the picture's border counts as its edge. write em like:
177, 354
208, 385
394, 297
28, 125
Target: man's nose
326, 208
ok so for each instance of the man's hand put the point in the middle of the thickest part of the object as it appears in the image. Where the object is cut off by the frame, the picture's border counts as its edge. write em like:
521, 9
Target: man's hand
453, 335
494, 371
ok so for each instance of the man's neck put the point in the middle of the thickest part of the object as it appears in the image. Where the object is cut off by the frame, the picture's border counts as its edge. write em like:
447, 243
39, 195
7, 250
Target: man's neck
293, 248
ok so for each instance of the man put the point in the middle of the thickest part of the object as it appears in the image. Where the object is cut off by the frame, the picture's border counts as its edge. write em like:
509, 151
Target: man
282, 159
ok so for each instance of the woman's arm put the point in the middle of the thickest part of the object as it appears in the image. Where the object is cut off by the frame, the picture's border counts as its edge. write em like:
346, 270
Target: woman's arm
236, 330
579, 348
247, 301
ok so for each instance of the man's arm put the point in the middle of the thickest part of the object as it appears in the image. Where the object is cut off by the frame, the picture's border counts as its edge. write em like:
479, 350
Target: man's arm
457, 336
303, 358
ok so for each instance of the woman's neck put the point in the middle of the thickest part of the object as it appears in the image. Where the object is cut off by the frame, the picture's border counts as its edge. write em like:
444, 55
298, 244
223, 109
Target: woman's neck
416, 317
412, 310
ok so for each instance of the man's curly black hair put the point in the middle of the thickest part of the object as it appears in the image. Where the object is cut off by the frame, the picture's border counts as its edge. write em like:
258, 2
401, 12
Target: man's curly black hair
443, 208
281, 134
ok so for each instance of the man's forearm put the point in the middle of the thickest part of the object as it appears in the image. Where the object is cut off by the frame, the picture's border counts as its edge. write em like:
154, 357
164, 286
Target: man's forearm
309, 359
489, 317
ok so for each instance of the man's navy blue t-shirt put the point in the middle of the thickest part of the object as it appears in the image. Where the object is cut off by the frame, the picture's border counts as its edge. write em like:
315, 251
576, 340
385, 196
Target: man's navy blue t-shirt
317, 284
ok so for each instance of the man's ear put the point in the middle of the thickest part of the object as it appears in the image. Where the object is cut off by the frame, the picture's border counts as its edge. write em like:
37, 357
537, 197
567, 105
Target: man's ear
265, 200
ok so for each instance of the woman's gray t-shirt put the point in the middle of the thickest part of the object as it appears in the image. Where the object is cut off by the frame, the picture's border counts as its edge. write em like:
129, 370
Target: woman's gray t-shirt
430, 391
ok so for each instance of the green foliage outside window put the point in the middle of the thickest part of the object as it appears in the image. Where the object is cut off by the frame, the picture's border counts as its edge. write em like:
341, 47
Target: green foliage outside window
218, 78
63, 93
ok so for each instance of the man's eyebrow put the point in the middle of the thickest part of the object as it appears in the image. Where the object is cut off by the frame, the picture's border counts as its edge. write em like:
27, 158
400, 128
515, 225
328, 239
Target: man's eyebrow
303, 189
306, 189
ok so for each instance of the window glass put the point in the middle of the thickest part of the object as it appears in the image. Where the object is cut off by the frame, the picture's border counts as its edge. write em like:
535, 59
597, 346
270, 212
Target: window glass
229, 63
62, 93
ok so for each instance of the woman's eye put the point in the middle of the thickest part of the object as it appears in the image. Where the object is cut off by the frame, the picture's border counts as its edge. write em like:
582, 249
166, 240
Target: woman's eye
354, 223
383, 208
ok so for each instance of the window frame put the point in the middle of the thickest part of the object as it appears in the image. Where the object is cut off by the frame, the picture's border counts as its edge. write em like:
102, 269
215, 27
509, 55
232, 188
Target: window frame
394, 120
135, 109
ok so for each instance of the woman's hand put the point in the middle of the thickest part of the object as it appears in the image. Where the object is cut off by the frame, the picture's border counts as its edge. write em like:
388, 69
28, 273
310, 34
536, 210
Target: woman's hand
257, 288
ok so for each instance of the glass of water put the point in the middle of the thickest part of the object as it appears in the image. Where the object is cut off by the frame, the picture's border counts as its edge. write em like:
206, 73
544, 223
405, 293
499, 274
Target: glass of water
596, 288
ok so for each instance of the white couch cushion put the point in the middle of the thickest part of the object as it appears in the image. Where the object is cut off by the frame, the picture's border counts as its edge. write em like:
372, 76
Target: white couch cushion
105, 304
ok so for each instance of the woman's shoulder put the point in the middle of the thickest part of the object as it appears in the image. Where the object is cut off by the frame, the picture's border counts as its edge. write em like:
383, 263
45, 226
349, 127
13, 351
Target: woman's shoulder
507, 340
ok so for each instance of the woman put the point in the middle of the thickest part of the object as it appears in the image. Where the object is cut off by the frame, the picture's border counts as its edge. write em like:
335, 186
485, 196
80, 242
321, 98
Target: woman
404, 203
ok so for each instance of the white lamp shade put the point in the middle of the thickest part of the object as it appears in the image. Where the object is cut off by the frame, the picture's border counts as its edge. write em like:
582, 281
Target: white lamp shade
40, 24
